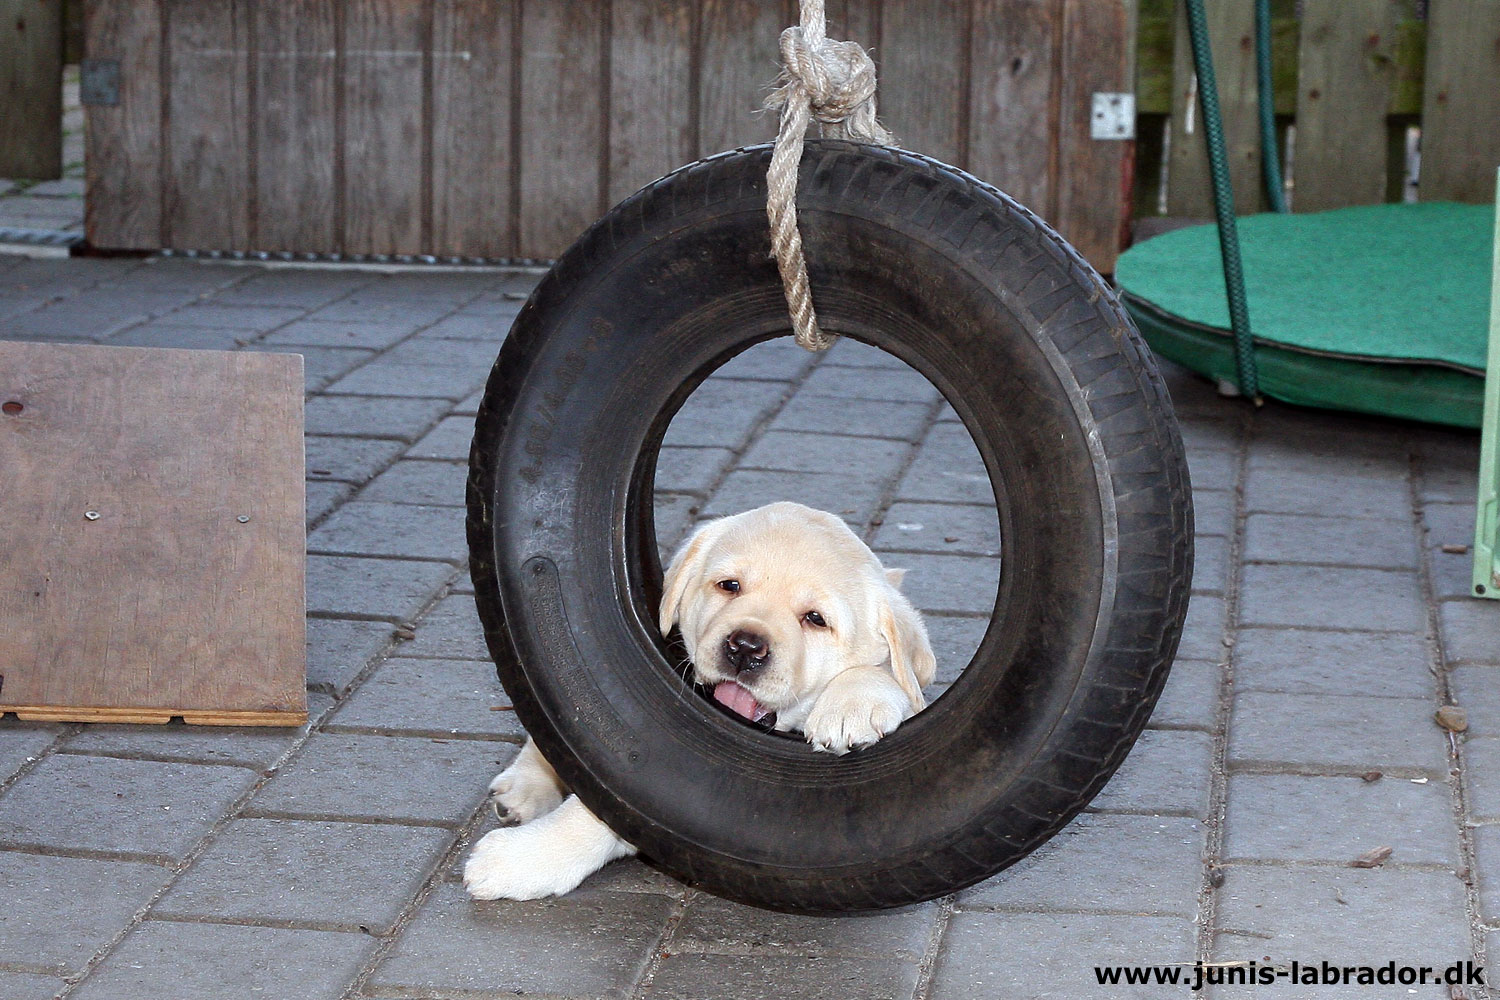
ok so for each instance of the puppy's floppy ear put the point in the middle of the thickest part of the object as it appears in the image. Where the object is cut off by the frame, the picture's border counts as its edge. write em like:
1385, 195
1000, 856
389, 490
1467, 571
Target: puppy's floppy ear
895, 576
686, 565
912, 659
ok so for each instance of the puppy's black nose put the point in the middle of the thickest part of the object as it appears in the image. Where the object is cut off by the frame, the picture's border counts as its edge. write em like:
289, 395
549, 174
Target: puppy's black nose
746, 650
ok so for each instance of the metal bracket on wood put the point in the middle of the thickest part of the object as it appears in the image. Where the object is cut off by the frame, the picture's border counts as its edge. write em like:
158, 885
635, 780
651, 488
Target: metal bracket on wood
1486, 581
99, 83
1113, 116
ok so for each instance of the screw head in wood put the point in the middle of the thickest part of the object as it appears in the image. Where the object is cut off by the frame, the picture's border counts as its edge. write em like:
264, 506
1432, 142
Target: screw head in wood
243, 519
91, 515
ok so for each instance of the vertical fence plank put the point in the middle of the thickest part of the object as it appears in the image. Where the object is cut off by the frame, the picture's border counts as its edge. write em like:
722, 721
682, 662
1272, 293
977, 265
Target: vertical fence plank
472, 64
1461, 101
207, 203
652, 120
31, 88
1012, 138
123, 207
297, 194
922, 99
1346, 79
1231, 32
561, 124
1093, 173
740, 60
383, 126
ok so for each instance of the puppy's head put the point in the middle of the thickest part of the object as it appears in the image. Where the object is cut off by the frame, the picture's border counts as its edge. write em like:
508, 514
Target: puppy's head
776, 602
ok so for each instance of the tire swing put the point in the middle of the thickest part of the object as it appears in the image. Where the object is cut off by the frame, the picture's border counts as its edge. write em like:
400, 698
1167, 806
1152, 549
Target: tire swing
1031, 349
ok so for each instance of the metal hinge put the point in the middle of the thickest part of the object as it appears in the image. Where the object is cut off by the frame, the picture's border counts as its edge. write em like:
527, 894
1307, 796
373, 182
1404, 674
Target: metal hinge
99, 82
1113, 117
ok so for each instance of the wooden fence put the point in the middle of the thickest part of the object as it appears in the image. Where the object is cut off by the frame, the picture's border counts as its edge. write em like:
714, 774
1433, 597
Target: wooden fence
501, 128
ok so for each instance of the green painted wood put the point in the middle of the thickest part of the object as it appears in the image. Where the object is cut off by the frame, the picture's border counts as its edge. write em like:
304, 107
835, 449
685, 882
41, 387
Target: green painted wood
1487, 514
1460, 139
31, 89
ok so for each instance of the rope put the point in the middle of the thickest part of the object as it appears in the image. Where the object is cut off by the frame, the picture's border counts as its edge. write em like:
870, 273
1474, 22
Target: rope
834, 83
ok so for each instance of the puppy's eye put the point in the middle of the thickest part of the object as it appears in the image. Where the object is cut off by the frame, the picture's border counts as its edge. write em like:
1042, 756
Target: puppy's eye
729, 586
814, 619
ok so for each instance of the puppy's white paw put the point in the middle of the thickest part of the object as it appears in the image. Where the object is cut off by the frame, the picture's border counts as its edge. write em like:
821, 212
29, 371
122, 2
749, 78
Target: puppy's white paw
515, 863
845, 720
519, 794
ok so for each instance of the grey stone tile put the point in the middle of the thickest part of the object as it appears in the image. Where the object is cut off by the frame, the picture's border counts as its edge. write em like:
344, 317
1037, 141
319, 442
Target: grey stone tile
363, 306
1308, 661
392, 589
1168, 772
690, 470
972, 529
367, 777
333, 333
1213, 512
431, 698
450, 631
954, 642
1487, 871
441, 484
164, 958
1336, 819
852, 497
858, 355
448, 441
722, 412
29, 986
771, 360
1312, 451
948, 583
292, 288
349, 460
1482, 777
805, 451
1210, 564
133, 807
1210, 469
337, 876
1204, 433
1191, 696
948, 469
405, 418
1471, 630
1477, 689
253, 747
738, 977
884, 385
1155, 865
1450, 466
22, 742
338, 650
392, 529
585, 944
1029, 956
1452, 572
388, 378
224, 317
59, 911
1337, 733
323, 495
674, 514
1294, 538
1347, 915
856, 418
1317, 596
157, 334
1203, 630
1327, 495
424, 352
320, 365
722, 927
470, 405
490, 328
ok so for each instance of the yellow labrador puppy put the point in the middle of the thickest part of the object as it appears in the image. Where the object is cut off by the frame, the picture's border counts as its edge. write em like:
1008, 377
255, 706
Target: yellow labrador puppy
785, 613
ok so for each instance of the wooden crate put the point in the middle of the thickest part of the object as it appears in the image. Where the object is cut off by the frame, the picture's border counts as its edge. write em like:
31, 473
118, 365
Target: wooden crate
153, 526
502, 128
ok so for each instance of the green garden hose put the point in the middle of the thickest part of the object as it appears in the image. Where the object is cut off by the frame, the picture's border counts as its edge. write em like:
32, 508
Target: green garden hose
1270, 158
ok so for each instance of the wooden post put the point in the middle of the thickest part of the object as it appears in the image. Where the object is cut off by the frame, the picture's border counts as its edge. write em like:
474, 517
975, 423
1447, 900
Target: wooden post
31, 89
1461, 101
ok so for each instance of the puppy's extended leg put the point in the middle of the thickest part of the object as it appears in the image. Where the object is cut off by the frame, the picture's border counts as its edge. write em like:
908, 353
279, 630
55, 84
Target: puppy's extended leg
858, 707
527, 789
546, 857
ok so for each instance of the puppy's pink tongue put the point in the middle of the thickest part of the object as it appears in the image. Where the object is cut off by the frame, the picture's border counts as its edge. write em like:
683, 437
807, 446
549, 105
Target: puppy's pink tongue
739, 701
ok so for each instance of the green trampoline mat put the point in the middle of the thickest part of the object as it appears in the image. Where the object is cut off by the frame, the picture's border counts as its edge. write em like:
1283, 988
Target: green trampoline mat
1379, 309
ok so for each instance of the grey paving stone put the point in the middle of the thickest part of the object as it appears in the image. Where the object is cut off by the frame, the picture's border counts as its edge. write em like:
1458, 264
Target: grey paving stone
450, 631
392, 529
335, 876
690, 470
1345, 915
245, 746
1210, 564
439, 484
1029, 956
1482, 777
320, 365
431, 698
296, 289
948, 583
132, 807
1336, 819
1211, 469
1452, 572
1190, 699
158, 334
1312, 450
719, 926
163, 958
448, 441
21, 742
491, 328
1376, 600
1111, 864
972, 529
59, 911
1477, 689
1309, 661
1487, 871
857, 418
947, 469
1471, 630
392, 589
1210, 433
83, 318
426, 352
1294, 538
338, 650
738, 977
674, 513
469, 407
333, 333
1203, 631
29, 986
366, 777
1328, 495
852, 497
954, 642
225, 317
350, 460
721, 413
585, 944
405, 418
1449, 461
852, 352
388, 378
1213, 512
773, 360
1168, 772
804, 451
884, 385
365, 307
1351, 733
323, 495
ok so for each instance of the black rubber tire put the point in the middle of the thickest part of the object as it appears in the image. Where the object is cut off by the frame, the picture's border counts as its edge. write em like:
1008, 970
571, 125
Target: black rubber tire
1065, 404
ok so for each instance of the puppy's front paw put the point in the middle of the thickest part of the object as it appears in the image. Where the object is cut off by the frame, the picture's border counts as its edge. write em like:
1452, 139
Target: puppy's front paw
514, 863
844, 720
520, 794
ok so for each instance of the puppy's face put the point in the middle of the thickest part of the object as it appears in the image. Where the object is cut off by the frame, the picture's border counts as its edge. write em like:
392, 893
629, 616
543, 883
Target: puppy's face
776, 602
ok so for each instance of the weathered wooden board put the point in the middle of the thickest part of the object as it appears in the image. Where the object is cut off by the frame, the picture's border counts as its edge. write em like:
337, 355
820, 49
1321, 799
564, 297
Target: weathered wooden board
130, 587
651, 109
1014, 51
123, 141
923, 90
1461, 105
31, 50
738, 69
1093, 191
